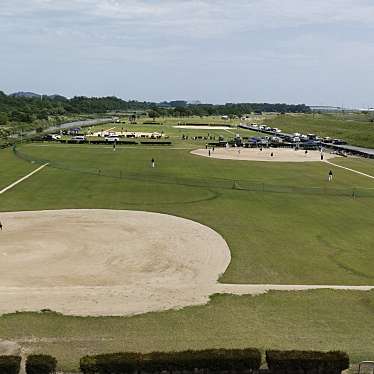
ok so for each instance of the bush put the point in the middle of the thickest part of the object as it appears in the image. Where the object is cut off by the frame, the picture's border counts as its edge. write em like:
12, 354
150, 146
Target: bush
155, 142
113, 363
287, 362
10, 364
214, 359
40, 364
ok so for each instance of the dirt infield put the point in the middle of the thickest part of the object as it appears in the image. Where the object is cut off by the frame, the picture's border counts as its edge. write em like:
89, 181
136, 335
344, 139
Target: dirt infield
255, 154
112, 262
104, 262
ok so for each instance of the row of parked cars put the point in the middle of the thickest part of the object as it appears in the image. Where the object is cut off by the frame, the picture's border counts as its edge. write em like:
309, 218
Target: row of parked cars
296, 137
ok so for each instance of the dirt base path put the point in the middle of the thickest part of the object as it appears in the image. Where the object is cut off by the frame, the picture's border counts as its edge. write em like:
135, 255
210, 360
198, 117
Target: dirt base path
255, 154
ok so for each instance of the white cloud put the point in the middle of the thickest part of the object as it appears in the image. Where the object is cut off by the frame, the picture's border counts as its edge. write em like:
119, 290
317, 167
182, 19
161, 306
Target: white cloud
224, 37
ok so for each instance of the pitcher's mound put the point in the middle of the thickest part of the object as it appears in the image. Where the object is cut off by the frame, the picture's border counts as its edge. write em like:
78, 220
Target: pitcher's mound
105, 262
255, 154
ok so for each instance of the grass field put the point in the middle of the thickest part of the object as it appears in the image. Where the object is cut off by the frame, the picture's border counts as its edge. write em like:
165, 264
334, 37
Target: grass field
321, 320
274, 237
356, 130
11, 170
300, 247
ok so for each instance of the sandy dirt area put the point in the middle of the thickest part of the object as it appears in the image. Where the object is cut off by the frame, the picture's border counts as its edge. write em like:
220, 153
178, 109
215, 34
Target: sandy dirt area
255, 154
104, 262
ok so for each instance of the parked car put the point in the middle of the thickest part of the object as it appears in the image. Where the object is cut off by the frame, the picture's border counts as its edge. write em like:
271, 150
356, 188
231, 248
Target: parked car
78, 138
339, 141
112, 138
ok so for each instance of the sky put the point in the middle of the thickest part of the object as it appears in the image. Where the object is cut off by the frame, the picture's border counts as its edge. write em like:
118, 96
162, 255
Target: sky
317, 52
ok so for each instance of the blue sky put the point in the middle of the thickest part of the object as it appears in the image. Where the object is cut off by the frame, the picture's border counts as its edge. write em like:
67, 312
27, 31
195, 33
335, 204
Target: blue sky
296, 51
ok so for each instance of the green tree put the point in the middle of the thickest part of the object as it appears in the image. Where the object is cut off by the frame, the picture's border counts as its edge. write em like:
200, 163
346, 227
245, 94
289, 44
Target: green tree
3, 119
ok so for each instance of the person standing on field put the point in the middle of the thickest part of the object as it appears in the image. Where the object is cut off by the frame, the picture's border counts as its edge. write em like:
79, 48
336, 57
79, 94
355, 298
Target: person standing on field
153, 162
1, 226
330, 175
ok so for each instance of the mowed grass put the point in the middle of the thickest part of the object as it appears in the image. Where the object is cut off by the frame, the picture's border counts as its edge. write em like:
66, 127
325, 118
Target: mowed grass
320, 320
274, 238
11, 169
362, 165
291, 238
174, 132
356, 130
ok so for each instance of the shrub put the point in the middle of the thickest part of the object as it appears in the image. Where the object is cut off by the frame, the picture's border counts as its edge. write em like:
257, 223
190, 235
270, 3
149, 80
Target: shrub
113, 363
213, 359
219, 359
287, 362
40, 364
156, 142
10, 364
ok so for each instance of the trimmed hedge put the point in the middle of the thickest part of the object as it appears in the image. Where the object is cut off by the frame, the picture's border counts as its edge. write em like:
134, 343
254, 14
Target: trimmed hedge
113, 363
307, 362
119, 142
212, 359
41, 364
156, 142
10, 364
155, 362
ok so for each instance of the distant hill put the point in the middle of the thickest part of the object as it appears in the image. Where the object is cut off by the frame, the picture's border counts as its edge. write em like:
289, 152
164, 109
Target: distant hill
56, 97
33, 95
24, 94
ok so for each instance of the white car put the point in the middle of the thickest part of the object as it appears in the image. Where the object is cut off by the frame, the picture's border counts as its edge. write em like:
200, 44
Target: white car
112, 139
78, 138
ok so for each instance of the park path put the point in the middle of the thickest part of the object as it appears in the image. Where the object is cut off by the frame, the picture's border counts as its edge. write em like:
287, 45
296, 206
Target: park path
352, 170
22, 179
257, 289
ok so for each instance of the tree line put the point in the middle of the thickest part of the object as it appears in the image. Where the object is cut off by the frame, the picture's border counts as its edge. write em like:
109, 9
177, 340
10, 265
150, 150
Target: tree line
21, 109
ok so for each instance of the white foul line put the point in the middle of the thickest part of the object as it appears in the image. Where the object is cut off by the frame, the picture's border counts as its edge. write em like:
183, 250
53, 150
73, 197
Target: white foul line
352, 170
22, 179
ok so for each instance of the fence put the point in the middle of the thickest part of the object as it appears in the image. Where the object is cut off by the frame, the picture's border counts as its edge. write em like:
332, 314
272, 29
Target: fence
204, 182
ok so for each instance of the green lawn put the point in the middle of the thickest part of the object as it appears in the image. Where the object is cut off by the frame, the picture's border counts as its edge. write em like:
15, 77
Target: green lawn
274, 237
174, 133
359, 164
321, 320
11, 168
356, 130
